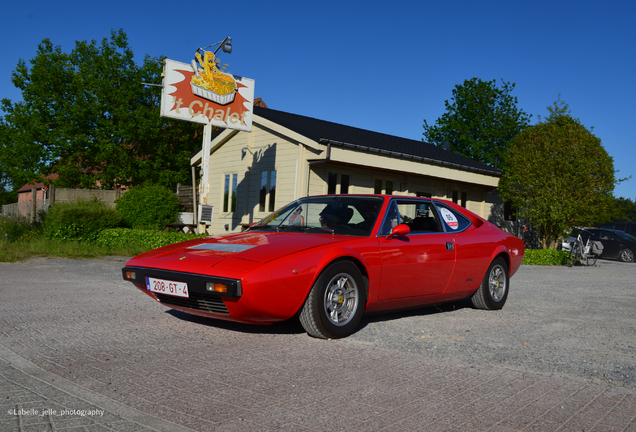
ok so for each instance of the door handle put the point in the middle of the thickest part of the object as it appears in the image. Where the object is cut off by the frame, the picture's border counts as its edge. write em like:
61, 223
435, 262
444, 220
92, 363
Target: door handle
449, 246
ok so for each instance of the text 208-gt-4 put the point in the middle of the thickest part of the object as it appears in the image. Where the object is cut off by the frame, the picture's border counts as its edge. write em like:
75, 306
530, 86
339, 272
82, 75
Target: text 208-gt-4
332, 258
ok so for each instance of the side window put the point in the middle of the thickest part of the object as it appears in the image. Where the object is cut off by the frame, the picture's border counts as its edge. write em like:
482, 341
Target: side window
425, 220
452, 220
391, 220
420, 216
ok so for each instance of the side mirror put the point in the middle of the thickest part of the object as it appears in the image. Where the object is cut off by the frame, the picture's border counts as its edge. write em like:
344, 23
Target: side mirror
400, 230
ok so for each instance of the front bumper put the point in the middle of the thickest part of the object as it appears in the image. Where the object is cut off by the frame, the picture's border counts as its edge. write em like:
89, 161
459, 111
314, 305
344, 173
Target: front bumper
200, 296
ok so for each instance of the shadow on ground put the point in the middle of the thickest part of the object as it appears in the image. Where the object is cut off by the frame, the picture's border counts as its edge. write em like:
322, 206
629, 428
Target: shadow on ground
293, 326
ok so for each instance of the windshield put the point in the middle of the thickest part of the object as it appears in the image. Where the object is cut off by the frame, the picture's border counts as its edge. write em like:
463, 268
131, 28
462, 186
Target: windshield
625, 236
339, 214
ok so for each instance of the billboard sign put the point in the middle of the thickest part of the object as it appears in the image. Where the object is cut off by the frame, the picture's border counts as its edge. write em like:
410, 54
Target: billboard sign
199, 92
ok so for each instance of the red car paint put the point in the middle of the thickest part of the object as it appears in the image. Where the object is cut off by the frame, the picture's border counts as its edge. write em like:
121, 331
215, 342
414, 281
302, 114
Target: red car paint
277, 264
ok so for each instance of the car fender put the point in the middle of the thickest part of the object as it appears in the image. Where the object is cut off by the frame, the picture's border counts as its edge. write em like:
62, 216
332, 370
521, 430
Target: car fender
511, 255
279, 288
358, 258
500, 250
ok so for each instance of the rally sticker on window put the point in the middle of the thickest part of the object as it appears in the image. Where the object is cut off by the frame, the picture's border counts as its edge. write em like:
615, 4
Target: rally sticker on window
449, 218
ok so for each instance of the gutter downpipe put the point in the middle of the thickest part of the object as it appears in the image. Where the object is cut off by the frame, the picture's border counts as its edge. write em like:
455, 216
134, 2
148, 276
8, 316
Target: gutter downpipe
327, 155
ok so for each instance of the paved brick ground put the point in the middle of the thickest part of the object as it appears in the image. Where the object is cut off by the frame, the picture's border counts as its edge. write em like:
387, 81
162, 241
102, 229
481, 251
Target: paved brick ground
35, 400
78, 321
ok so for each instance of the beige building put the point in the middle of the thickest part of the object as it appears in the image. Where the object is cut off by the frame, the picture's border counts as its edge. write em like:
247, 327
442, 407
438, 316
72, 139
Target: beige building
288, 156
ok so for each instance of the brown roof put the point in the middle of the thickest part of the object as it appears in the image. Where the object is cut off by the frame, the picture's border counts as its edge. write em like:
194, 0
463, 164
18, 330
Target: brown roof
259, 103
37, 185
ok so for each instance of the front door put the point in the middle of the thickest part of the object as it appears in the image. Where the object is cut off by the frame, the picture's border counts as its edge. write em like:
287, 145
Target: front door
421, 263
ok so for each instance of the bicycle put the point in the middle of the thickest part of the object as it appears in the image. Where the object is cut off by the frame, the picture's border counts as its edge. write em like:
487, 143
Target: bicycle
582, 252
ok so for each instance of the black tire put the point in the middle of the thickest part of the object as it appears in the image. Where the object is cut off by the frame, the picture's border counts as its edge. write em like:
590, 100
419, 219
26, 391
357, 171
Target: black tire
593, 258
336, 302
575, 255
571, 257
493, 291
626, 255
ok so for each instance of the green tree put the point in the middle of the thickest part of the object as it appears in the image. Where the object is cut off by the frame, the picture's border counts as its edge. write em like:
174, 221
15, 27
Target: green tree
479, 122
86, 116
18, 165
559, 175
625, 210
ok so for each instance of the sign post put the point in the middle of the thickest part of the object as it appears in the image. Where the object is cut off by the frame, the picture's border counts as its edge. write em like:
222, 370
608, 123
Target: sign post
204, 185
202, 93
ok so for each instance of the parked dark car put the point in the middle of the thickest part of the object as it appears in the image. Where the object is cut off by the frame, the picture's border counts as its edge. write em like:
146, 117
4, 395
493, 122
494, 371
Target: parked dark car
616, 244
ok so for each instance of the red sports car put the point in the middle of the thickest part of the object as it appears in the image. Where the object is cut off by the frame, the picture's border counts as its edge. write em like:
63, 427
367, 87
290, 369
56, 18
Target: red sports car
332, 258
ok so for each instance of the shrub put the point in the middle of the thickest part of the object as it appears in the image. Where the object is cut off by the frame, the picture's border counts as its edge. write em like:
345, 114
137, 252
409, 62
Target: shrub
148, 206
545, 257
140, 240
81, 220
17, 228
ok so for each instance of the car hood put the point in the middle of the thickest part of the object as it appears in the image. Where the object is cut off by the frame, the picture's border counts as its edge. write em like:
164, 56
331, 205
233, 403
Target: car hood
259, 247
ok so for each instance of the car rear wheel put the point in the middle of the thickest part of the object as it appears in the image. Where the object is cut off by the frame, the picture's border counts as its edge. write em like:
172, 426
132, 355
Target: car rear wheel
626, 255
334, 306
493, 291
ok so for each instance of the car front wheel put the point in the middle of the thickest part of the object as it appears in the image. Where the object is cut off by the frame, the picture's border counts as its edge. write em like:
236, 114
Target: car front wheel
493, 291
626, 255
334, 306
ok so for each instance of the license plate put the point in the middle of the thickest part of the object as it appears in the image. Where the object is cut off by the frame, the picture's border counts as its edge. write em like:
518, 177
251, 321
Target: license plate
179, 289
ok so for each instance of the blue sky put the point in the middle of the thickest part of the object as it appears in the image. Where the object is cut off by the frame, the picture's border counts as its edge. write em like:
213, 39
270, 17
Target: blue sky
378, 65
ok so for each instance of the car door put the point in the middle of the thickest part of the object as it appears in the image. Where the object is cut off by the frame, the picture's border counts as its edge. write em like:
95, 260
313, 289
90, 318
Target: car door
420, 263
610, 241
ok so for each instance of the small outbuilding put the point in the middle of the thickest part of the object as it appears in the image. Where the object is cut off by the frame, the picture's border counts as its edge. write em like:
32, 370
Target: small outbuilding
287, 156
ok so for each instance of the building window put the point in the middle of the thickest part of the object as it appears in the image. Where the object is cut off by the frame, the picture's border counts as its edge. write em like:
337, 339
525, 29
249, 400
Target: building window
388, 187
377, 187
460, 198
272, 191
344, 184
234, 188
226, 193
332, 183
229, 194
267, 195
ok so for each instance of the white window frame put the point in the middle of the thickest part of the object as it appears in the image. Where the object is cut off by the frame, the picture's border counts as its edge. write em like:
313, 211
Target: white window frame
268, 205
232, 192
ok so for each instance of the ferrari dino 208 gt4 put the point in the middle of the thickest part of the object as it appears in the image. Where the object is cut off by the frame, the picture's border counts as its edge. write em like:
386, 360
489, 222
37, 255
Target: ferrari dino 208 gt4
330, 259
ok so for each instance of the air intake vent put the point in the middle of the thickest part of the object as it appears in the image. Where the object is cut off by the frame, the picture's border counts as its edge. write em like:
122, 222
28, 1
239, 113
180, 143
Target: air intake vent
205, 214
211, 304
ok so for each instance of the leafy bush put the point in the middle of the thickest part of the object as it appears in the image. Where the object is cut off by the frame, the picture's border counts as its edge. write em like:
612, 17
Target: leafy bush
140, 240
545, 257
17, 228
81, 220
148, 206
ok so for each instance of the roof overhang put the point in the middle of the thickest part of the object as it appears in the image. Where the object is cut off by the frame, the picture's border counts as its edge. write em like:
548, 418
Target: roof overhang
290, 134
341, 152
227, 134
